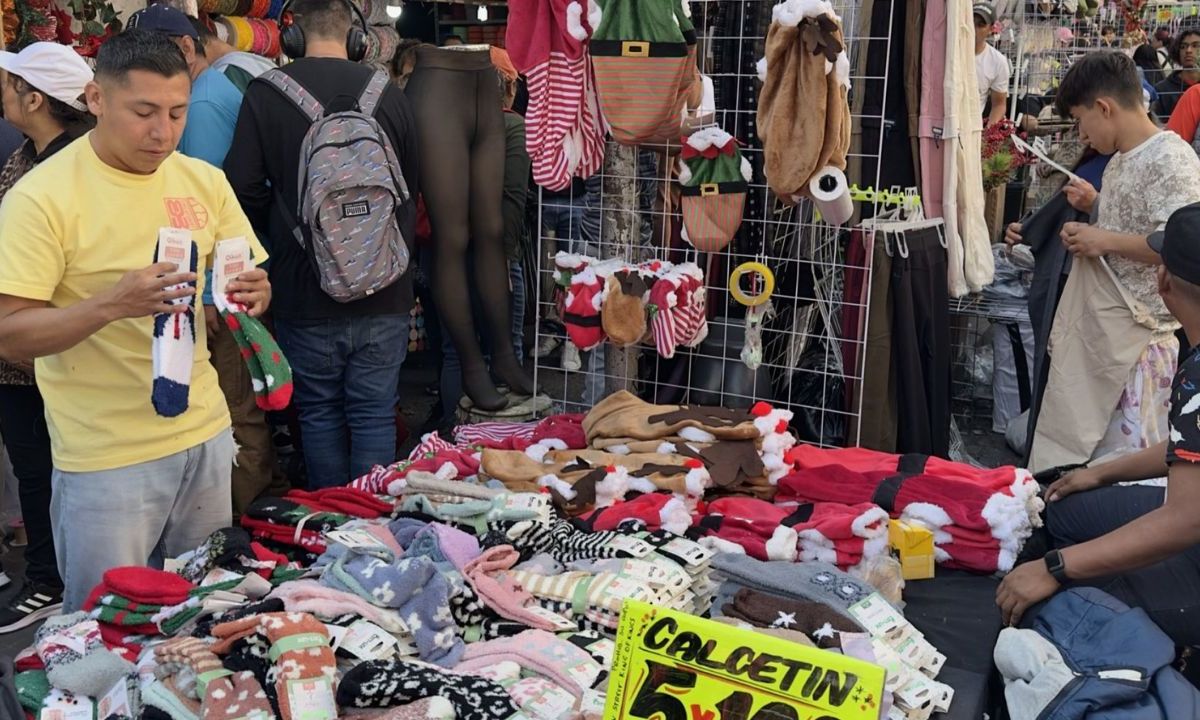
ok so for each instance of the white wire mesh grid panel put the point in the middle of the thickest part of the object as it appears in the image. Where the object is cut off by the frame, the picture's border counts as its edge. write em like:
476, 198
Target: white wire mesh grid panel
803, 365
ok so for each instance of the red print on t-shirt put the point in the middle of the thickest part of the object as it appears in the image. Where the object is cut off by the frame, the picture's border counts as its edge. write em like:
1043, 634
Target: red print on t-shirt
186, 213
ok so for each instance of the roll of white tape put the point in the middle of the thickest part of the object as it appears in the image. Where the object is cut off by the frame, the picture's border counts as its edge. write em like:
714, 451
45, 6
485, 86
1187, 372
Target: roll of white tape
831, 195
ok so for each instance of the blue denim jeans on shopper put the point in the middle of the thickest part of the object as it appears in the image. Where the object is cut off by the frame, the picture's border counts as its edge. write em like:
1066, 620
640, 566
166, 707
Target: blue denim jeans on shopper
347, 381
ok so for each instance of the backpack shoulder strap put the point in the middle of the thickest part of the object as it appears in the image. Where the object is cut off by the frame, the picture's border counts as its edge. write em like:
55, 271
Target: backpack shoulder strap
294, 91
370, 96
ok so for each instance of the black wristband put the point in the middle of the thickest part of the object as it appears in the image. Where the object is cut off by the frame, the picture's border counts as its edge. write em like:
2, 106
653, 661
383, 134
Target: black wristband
1056, 567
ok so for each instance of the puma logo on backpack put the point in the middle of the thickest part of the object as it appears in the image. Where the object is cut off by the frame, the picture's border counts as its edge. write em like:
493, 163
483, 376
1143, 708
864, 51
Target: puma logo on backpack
350, 187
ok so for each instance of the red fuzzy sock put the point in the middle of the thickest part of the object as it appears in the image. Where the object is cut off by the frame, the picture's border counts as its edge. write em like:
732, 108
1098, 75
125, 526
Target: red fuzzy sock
147, 585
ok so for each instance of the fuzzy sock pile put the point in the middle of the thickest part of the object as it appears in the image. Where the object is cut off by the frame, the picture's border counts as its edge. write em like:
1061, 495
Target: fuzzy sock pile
223, 694
410, 585
290, 523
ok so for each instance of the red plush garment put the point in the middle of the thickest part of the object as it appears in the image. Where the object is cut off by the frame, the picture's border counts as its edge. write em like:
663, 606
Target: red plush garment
960, 503
567, 427
310, 540
656, 510
345, 500
581, 309
806, 457
755, 525
464, 460
147, 585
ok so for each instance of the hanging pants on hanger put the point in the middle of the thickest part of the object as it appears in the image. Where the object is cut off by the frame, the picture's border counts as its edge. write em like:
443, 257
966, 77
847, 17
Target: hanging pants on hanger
876, 428
920, 335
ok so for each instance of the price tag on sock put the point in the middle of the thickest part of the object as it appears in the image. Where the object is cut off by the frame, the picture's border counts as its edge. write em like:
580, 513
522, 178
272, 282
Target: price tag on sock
690, 552
115, 701
311, 699
358, 541
368, 641
230, 259
629, 544
559, 622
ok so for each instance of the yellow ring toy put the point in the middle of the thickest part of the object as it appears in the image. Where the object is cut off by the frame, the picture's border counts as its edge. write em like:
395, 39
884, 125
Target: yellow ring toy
735, 287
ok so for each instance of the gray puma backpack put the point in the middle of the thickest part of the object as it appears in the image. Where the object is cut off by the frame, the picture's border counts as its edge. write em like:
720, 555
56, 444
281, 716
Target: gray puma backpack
350, 187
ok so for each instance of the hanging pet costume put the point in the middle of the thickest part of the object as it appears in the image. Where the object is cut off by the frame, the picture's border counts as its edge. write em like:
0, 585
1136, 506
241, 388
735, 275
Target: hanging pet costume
640, 57
713, 177
803, 113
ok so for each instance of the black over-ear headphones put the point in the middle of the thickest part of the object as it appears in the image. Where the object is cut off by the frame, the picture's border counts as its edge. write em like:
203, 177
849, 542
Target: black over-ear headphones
291, 36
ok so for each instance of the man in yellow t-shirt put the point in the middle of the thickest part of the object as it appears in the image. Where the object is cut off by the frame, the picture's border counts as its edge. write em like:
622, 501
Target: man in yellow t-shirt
78, 292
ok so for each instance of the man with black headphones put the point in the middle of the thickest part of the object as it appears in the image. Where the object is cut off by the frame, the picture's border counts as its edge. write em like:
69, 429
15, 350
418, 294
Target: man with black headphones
345, 357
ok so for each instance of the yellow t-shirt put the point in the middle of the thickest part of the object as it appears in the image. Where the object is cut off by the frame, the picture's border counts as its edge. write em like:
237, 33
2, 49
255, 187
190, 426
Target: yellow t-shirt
69, 230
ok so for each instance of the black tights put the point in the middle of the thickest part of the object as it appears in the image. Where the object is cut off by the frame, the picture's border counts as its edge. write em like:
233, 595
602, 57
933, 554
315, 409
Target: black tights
456, 102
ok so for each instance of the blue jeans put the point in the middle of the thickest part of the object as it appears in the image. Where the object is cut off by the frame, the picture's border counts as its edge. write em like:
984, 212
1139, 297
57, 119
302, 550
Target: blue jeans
1169, 590
565, 222
450, 381
347, 383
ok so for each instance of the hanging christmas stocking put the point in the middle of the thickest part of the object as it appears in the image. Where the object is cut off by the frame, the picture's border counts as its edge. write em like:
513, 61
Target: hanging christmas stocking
640, 58
270, 373
713, 176
173, 350
581, 309
623, 315
692, 317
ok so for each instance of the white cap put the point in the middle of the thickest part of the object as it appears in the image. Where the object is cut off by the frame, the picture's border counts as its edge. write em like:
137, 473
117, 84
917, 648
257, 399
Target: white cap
50, 68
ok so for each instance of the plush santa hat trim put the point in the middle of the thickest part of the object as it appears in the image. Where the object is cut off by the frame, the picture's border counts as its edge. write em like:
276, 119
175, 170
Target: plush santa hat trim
697, 481
1005, 560
642, 485
595, 14
563, 487
747, 171
812, 536
871, 523
816, 553
571, 261
716, 544
761, 68
666, 448
790, 12
940, 555
1005, 515
928, 513
575, 22
685, 173
618, 449
705, 138
875, 547
613, 487
537, 452
674, 516
782, 544
695, 434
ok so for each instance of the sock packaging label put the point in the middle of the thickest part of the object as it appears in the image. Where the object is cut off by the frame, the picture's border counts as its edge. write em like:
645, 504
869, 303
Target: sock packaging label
175, 246
230, 259
311, 699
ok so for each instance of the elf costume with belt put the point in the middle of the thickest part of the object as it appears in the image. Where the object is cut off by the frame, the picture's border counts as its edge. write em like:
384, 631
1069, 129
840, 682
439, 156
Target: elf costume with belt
640, 57
713, 177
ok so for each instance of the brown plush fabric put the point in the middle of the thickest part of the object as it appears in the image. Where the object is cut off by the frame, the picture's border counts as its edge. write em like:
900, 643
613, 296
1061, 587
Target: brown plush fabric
624, 415
665, 471
803, 113
623, 314
815, 620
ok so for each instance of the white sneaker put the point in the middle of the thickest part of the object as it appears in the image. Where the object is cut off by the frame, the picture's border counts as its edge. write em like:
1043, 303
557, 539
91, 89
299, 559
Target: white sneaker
570, 357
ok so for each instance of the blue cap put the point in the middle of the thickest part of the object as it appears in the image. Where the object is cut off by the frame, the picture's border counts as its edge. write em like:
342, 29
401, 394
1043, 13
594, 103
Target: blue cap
163, 19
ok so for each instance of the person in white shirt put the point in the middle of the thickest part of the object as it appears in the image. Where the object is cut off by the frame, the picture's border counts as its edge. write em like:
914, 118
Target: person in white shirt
991, 67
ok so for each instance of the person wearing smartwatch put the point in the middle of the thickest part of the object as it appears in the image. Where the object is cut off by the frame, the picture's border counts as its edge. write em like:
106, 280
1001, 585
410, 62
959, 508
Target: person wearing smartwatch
1139, 543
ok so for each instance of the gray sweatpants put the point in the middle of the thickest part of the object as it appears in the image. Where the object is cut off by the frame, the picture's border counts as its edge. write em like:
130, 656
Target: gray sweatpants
138, 515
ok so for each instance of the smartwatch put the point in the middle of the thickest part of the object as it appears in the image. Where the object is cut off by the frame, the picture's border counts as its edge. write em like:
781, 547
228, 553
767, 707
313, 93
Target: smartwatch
1056, 567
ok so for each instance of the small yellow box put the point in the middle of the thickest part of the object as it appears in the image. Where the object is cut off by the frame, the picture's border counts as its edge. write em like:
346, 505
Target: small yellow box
914, 545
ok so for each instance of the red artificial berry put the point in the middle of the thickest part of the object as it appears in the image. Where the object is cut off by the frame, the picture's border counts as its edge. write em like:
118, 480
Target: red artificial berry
781, 427
611, 468
761, 409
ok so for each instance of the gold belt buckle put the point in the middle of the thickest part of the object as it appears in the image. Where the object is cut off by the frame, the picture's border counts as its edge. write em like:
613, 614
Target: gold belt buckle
635, 48
707, 189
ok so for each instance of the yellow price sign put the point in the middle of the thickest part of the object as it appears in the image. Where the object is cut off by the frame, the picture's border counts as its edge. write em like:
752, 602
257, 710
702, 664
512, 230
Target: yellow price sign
673, 666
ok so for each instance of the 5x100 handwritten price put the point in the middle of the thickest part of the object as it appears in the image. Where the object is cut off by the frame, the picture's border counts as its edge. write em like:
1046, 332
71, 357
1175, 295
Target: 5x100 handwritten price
679, 693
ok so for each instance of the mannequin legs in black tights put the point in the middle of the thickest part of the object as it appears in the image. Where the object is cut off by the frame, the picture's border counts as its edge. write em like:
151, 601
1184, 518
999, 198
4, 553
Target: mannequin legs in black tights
456, 103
